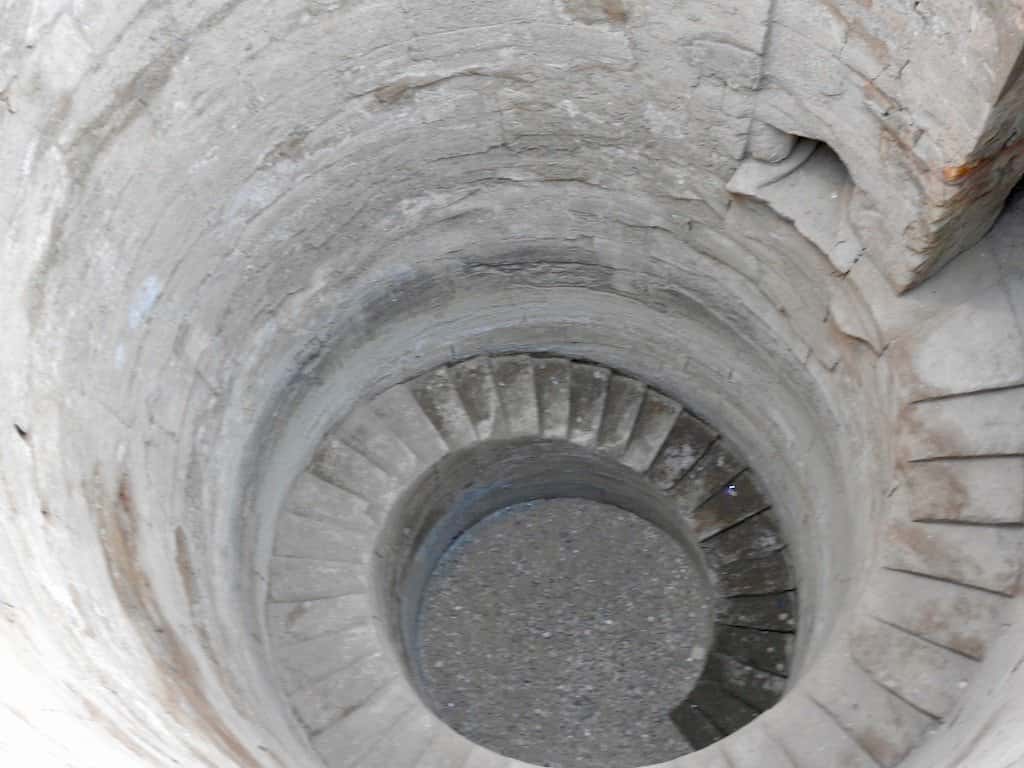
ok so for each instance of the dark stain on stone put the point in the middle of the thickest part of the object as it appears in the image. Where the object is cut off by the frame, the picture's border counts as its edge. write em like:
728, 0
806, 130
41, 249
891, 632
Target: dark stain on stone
296, 613
392, 92
184, 563
403, 295
178, 671
97, 715
936, 493
597, 11
291, 147
931, 438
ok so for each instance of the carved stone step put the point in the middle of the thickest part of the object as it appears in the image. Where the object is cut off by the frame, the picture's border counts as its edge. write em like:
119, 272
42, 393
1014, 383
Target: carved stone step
657, 416
344, 742
759, 689
735, 500
437, 396
588, 393
772, 612
930, 677
343, 684
622, 406
513, 375
552, 375
474, 380
688, 440
293, 579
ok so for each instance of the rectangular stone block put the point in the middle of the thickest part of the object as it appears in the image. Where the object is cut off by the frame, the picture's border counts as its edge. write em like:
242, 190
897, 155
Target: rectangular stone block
300, 621
474, 380
293, 579
513, 376
366, 432
695, 725
813, 738
316, 498
755, 537
767, 651
622, 406
760, 576
974, 346
398, 409
771, 612
976, 555
588, 393
343, 690
725, 711
657, 417
757, 688
755, 747
437, 396
318, 539
982, 490
710, 476
880, 722
552, 377
981, 424
734, 502
342, 465
930, 677
345, 740
303, 664
953, 615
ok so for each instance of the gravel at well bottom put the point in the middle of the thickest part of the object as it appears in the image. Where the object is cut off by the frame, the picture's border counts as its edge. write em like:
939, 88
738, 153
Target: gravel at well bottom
562, 632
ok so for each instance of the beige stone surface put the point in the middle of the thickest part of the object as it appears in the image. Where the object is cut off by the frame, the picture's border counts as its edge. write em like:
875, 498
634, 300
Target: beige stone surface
228, 224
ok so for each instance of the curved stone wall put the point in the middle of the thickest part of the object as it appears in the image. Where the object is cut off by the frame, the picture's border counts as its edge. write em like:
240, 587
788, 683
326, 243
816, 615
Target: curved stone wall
228, 224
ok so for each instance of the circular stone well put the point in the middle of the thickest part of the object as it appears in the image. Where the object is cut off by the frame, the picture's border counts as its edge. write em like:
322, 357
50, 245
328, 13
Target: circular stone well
562, 632
650, 670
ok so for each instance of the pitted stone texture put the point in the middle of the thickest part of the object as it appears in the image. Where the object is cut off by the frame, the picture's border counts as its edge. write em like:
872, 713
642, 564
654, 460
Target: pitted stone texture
533, 612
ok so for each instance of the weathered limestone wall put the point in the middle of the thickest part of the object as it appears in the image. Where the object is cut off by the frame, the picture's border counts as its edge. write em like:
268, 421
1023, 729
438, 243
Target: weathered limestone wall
225, 223
930, 134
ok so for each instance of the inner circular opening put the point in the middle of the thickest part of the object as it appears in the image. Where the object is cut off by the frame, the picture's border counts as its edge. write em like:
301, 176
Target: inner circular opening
533, 536
563, 632
497, 543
